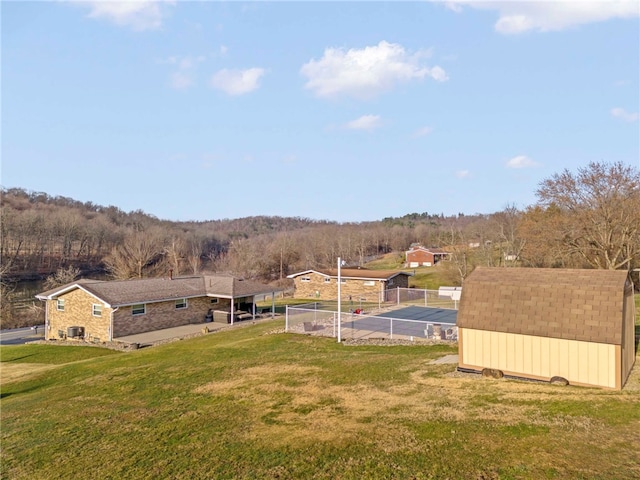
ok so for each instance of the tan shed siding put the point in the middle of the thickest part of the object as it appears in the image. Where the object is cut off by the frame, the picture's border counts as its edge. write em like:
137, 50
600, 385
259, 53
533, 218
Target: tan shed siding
78, 313
628, 351
540, 357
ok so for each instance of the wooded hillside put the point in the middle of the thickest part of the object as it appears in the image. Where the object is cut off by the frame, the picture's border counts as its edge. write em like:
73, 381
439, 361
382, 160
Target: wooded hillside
587, 219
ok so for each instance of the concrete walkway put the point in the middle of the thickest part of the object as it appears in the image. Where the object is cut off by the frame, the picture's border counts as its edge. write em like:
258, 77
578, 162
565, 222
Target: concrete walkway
167, 333
149, 338
445, 359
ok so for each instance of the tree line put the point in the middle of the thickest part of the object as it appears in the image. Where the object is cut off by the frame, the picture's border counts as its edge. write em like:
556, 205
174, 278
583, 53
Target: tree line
584, 219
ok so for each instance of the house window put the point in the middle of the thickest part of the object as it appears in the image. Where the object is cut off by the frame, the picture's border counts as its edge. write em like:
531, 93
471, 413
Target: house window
343, 280
327, 280
96, 310
369, 283
139, 309
214, 300
305, 279
182, 303
60, 305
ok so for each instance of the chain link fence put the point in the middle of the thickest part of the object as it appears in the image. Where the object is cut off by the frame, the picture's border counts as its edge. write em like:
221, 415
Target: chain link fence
366, 326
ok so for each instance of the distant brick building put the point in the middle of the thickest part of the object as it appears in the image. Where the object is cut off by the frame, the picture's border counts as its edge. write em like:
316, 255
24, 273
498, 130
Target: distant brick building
358, 283
419, 256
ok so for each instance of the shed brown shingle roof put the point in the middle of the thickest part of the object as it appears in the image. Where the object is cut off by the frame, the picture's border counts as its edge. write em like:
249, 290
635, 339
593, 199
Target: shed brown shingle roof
585, 305
147, 290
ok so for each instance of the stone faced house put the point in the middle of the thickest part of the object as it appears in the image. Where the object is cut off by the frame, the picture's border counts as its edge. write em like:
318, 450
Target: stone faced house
541, 323
358, 283
98, 310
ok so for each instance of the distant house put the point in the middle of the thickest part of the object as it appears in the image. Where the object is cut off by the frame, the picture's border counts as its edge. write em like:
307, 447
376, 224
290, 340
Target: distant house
358, 283
419, 256
577, 325
97, 310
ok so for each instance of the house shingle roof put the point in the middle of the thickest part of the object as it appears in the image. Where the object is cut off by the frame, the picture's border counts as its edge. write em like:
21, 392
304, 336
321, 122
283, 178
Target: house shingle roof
435, 250
148, 290
585, 305
358, 273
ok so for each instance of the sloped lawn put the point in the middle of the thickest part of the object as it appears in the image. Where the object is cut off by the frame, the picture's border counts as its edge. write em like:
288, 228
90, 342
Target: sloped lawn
256, 403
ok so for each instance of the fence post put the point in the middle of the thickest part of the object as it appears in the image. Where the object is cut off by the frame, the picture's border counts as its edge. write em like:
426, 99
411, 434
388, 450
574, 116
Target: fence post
334, 324
425, 297
391, 329
286, 319
398, 296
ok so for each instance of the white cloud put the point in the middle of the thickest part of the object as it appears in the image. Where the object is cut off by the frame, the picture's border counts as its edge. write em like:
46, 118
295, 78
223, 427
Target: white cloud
423, 132
365, 122
184, 76
622, 114
181, 80
237, 82
136, 14
543, 16
521, 161
367, 72
463, 173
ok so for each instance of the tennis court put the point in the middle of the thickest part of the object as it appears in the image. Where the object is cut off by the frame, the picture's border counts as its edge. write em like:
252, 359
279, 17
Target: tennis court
418, 322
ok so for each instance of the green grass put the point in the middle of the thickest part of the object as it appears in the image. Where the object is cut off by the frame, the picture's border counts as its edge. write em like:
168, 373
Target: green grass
390, 261
252, 403
50, 354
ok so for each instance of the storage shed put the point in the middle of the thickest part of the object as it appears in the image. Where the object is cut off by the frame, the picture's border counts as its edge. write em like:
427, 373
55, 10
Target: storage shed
539, 323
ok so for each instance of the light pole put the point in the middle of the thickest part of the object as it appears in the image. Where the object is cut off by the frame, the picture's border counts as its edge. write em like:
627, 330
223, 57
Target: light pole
339, 300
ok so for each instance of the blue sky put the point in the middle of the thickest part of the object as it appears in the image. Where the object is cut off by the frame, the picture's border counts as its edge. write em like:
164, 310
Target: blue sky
337, 111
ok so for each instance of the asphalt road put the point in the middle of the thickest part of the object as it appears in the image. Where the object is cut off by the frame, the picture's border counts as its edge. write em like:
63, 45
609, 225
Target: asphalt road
19, 336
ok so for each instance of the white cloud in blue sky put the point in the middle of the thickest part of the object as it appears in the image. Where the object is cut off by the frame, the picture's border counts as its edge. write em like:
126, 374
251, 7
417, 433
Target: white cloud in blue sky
622, 114
365, 122
423, 132
237, 82
367, 72
184, 70
516, 17
136, 14
208, 110
521, 161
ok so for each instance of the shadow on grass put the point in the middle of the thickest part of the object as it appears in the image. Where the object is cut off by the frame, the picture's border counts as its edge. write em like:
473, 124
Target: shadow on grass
16, 392
17, 359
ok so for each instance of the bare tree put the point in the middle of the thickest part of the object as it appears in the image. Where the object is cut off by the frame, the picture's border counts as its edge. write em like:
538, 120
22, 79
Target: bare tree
6, 295
62, 276
175, 251
541, 228
509, 244
136, 256
194, 254
600, 206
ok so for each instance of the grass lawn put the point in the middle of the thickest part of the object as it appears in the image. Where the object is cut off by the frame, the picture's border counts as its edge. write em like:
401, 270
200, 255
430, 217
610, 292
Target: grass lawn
254, 403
